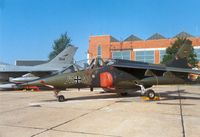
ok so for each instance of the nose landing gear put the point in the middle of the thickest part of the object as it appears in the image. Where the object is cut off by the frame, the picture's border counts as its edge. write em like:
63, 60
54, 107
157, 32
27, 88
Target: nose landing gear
60, 98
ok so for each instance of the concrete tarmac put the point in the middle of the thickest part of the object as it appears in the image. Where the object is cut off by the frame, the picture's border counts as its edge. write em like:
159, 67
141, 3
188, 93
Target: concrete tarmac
95, 114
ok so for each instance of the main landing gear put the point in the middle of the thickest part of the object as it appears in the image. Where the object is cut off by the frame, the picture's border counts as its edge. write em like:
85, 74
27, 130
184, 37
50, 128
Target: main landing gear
60, 98
149, 93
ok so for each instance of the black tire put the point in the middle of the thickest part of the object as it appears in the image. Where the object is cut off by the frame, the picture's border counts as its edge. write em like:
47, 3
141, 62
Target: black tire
150, 94
91, 89
61, 98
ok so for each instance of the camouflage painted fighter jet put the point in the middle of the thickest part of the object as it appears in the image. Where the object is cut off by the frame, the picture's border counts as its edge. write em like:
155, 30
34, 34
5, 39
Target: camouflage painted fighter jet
122, 75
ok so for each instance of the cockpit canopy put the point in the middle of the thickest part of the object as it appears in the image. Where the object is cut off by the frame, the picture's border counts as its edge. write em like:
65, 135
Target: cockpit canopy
88, 64
93, 63
96, 62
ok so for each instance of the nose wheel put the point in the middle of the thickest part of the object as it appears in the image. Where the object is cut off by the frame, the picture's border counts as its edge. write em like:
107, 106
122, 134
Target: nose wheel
60, 98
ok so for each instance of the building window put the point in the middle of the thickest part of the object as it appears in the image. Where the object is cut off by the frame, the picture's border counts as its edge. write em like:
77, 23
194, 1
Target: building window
99, 51
162, 53
145, 56
197, 51
121, 55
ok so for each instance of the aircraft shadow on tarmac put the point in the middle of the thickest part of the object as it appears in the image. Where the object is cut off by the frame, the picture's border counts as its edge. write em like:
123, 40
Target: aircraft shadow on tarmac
164, 96
174, 95
96, 96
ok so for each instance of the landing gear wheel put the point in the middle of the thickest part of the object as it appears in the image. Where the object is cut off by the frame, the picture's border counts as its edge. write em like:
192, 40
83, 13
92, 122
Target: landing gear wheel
61, 98
150, 94
91, 89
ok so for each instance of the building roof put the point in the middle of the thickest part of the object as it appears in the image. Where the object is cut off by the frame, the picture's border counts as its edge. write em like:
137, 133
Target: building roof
132, 38
112, 39
183, 34
156, 36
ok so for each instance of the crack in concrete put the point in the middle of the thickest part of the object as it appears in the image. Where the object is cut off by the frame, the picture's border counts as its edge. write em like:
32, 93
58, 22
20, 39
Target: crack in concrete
53, 128
22, 126
80, 132
181, 113
89, 133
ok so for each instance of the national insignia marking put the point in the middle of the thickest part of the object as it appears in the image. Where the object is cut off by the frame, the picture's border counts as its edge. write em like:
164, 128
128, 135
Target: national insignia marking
77, 79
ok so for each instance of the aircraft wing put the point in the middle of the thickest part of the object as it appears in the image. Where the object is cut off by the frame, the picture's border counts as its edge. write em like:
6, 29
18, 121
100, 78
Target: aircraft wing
145, 66
41, 73
27, 71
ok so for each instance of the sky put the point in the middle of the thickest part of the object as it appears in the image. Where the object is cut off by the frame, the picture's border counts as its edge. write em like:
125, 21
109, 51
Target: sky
28, 28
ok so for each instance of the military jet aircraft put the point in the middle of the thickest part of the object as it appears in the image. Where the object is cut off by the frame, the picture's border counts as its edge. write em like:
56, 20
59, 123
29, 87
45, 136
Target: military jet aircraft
121, 75
10, 74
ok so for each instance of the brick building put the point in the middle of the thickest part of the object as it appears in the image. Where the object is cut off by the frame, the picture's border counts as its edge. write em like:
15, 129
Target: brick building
133, 48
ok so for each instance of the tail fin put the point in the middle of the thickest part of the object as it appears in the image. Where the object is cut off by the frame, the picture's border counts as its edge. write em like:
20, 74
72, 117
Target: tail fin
181, 58
65, 57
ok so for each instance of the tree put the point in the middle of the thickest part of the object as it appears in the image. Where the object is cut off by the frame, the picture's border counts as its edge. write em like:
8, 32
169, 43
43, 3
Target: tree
59, 45
173, 49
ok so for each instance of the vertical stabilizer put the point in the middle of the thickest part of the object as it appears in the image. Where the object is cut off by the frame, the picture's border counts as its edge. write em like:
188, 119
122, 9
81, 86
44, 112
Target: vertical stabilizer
65, 57
181, 58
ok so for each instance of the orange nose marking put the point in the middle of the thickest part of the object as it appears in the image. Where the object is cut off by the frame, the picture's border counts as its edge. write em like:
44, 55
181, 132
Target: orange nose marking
106, 80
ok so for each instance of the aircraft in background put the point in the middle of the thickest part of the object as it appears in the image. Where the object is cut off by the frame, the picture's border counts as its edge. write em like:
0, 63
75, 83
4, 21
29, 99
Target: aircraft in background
10, 74
122, 75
